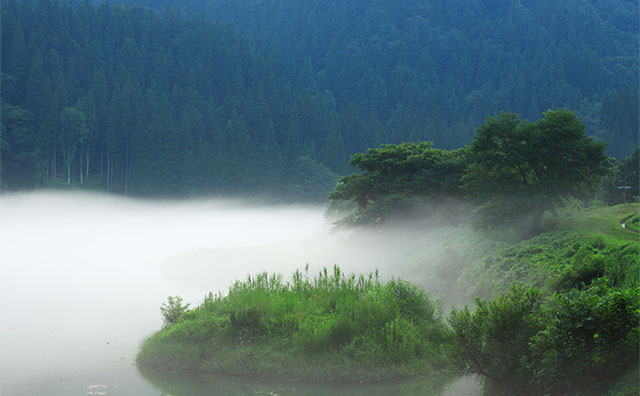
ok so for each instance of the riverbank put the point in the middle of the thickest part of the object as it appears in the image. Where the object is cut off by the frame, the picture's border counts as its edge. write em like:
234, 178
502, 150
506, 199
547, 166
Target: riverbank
328, 328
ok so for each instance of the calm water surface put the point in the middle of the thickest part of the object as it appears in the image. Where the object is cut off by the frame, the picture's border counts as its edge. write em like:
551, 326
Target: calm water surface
82, 278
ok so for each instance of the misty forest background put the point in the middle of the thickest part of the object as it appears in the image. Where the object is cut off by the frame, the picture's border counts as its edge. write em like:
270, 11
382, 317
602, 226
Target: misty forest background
273, 97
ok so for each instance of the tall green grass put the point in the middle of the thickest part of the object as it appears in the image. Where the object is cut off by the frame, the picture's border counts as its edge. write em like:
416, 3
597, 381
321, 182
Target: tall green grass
328, 326
333, 326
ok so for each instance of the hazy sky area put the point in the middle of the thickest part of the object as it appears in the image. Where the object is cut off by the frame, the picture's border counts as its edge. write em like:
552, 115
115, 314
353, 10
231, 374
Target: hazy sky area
83, 275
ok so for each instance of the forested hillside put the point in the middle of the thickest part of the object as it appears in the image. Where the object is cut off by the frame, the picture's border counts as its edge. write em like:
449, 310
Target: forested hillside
212, 96
165, 104
433, 70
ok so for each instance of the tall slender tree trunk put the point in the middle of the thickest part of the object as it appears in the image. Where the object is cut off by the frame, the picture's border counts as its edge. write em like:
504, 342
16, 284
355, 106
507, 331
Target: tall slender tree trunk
101, 165
126, 170
536, 217
108, 172
86, 173
55, 160
80, 160
68, 171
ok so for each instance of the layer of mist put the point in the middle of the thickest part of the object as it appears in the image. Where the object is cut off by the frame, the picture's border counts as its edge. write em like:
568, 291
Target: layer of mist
83, 275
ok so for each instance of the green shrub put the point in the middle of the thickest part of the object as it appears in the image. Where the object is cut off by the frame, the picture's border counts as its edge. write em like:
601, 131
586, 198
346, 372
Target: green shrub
328, 326
591, 336
633, 223
584, 268
580, 342
173, 310
493, 341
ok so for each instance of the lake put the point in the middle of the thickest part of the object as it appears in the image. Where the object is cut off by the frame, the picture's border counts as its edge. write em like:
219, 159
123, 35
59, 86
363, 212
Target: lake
83, 277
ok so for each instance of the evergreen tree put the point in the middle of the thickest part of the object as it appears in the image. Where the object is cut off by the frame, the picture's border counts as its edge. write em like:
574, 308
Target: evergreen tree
73, 131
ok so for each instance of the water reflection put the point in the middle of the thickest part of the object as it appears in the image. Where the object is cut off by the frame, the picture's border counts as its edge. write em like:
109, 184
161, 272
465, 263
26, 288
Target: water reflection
231, 386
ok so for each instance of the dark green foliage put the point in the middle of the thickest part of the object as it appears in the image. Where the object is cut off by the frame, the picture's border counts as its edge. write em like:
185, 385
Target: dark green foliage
173, 105
73, 131
519, 168
591, 336
184, 105
494, 340
582, 340
308, 179
515, 169
433, 70
588, 268
586, 273
18, 148
623, 174
619, 120
399, 178
328, 326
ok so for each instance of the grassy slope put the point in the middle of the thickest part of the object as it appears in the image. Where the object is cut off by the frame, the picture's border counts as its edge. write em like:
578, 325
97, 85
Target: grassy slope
585, 243
575, 249
604, 221
607, 222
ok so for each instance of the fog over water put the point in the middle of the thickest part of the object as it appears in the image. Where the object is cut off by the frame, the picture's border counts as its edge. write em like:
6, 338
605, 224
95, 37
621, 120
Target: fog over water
82, 276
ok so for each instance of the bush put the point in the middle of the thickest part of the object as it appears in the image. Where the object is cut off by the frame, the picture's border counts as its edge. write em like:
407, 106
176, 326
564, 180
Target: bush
173, 310
493, 341
329, 326
591, 336
580, 342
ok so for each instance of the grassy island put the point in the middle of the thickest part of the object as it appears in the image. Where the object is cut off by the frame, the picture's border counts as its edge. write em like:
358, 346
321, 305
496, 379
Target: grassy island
326, 327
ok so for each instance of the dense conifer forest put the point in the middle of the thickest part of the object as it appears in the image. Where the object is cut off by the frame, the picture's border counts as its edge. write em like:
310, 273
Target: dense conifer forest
273, 97
485, 149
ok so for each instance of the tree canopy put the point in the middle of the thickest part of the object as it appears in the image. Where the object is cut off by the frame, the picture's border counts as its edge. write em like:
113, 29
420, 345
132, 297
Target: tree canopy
514, 170
73, 131
227, 96
519, 168
396, 177
622, 183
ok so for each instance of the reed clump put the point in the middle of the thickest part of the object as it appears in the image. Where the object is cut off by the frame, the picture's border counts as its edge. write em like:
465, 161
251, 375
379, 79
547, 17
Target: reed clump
330, 326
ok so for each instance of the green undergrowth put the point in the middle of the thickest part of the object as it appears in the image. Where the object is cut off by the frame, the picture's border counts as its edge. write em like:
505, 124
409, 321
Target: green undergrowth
577, 247
581, 342
326, 327
633, 223
556, 314
628, 384
558, 261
